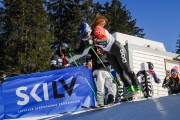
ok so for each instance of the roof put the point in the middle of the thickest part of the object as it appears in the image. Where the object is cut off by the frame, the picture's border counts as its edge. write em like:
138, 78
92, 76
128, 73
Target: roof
123, 38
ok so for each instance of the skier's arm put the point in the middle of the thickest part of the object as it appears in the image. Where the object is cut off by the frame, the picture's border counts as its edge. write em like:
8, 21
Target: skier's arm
89, 60
81, 48
101, 41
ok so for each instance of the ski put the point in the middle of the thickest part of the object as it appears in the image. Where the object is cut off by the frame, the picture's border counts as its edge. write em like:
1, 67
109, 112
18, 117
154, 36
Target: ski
92, 108
132, 99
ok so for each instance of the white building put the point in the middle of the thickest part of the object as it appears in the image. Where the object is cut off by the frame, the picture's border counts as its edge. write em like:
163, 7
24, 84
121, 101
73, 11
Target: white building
142, 50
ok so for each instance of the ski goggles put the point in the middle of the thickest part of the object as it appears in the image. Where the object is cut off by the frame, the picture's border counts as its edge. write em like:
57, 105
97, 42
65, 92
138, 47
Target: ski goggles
84, 36
174, 72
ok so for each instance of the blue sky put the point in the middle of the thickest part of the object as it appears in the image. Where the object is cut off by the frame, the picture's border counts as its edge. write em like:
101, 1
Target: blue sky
160, 19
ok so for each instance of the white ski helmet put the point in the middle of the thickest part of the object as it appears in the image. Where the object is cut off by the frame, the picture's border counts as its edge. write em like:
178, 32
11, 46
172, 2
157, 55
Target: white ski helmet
84, 31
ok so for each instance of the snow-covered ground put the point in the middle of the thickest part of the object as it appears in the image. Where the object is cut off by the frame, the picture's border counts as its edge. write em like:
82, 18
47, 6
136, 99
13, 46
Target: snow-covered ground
164, 108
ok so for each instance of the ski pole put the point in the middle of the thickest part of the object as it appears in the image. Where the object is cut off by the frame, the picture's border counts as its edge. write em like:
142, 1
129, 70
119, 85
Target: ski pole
83, 75
107, 70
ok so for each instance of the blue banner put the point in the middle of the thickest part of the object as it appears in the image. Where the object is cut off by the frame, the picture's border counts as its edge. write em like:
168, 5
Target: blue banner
47, 93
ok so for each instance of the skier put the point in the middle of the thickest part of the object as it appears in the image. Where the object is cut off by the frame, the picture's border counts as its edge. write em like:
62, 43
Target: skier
115, 51
117, 55
102, 77
60, 58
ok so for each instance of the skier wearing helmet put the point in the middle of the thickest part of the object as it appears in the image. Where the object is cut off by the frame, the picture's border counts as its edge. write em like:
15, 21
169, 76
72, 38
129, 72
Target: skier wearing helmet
116, 55
101, 76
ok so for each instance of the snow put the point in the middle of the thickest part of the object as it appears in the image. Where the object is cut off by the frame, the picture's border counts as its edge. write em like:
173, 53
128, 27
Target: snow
164, 108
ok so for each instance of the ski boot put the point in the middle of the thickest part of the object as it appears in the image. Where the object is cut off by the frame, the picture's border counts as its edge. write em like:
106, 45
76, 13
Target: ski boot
110, 99
130, 95
138, 92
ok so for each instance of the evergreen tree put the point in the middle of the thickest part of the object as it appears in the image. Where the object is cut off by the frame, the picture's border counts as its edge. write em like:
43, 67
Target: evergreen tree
67, 15
178, 46
87, 11
2, 42
120, 19
26, 36
97, 8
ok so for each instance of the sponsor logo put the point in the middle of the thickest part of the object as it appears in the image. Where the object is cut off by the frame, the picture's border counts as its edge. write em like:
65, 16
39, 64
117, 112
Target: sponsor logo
123, 56
22, 92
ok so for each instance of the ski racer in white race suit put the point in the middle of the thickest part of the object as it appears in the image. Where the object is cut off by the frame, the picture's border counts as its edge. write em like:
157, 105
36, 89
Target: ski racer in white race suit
102, 77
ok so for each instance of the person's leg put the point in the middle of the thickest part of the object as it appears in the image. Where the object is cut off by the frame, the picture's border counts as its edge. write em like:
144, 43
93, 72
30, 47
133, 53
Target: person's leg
126, 81
110, 86
114, 63
120, 54
99, 81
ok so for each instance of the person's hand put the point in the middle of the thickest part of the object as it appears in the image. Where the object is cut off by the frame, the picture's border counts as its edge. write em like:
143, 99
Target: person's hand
62, 56
89, 65
90, 41
168, 74
167, 77
67, 65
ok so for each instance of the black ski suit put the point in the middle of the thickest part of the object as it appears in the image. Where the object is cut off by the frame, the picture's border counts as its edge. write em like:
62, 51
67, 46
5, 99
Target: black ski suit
116, 55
